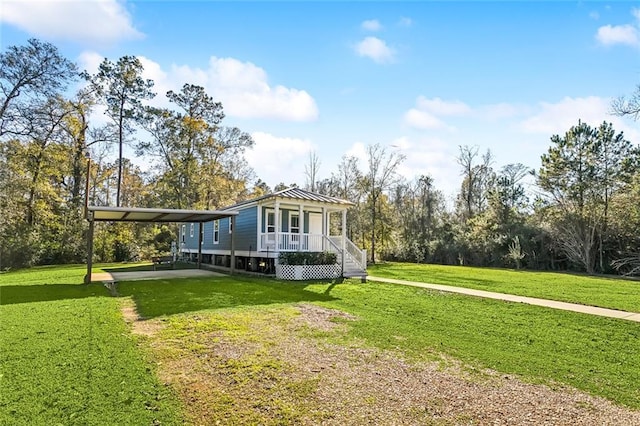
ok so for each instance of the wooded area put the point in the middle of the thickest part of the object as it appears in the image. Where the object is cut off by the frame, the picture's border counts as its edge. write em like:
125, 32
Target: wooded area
583, 213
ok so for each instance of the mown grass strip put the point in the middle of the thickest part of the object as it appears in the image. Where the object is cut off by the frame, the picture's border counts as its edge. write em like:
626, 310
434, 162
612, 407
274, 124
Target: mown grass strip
67, 357
604, 292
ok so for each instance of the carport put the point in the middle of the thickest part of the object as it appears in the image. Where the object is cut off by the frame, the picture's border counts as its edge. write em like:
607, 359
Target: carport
137, 214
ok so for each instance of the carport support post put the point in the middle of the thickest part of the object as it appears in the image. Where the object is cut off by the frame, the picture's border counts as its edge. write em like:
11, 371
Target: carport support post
233, 243
200, 238
87, 277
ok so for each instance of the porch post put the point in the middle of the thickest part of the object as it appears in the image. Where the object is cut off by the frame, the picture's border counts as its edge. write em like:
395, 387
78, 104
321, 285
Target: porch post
344, 237
200, 238
277, 224
324, 227
344, 228
301, 244
260, 227
87, 277
233, 243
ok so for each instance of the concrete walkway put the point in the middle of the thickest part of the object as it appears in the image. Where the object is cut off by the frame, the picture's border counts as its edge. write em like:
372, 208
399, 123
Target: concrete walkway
593, 310
152, 275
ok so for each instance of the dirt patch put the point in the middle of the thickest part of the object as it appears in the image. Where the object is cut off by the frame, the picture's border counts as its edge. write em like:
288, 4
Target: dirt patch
321, 318
139, 326
267, 372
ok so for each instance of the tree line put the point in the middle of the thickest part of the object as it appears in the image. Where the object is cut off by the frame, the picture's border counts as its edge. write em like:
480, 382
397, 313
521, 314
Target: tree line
582, 213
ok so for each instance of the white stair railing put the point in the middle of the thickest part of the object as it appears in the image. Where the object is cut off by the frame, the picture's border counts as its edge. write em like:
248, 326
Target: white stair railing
352, 252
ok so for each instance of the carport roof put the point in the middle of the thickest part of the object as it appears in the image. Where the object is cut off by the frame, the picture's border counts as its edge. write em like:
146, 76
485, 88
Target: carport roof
138, 214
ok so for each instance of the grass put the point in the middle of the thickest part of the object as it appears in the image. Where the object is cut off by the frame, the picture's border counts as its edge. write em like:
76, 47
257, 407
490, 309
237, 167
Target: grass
597, 355
67, 357
604, 292
247, 386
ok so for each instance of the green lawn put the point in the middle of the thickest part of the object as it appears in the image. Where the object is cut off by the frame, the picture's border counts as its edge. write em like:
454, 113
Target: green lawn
67, 357
605, 292
598, 355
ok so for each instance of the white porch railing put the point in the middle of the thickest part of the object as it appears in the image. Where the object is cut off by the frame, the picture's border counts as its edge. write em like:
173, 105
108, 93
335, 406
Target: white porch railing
288, 241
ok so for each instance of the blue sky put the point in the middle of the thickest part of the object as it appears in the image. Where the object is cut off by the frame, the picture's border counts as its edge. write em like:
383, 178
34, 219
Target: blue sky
333, 77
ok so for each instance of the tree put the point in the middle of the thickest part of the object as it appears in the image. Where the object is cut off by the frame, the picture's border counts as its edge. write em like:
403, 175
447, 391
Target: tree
200, 162
579, 173
28, 75
628, 105
476, 181
418, 207
122, 89
381, 176
311, 171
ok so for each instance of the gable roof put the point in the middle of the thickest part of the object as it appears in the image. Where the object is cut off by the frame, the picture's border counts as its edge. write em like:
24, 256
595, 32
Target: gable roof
296, 194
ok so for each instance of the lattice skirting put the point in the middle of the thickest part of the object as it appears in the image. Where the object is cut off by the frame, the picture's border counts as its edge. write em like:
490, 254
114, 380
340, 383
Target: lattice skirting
307, 272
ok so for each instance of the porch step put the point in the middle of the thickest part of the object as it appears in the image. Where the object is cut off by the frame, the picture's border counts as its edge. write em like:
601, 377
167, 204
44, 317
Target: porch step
355, 273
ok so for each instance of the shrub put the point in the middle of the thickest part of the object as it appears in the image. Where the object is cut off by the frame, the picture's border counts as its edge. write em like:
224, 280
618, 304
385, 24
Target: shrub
307, 258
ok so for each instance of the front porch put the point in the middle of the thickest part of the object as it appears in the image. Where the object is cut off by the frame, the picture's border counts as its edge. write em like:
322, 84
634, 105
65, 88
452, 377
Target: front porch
286, 226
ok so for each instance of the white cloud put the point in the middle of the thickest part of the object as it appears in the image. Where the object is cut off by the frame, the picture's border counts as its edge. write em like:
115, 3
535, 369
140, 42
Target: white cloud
594, 15
98, 21
427, 112
90, 61
619, 34
422, 120
376, 49
371, 25
559, 117
245, 92
627, 34
278, 159
359, 151
439, 107
242, 87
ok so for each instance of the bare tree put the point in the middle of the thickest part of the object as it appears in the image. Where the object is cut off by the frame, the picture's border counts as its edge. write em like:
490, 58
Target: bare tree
476, 182
628, 106
380, 177
311, 171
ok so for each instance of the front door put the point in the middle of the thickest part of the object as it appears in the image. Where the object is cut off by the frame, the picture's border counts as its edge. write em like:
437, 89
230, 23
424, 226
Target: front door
315, 231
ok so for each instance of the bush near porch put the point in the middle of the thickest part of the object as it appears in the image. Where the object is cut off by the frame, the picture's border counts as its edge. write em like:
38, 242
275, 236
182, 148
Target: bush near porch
307, 258
302, 266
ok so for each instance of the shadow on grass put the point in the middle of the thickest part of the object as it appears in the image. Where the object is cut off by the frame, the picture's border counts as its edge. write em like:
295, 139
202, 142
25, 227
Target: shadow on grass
148, 267
12, 294
169, 297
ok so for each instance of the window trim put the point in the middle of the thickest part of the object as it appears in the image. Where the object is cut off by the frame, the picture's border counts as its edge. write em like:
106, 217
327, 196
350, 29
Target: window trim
184, 233
191, 229
230, 226
216, 232
291, 216
272, 213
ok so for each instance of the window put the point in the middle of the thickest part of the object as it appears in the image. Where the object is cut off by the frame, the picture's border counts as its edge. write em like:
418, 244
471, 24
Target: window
184, 233
191, 230
294, 223
216, 231
230, 226
271, 221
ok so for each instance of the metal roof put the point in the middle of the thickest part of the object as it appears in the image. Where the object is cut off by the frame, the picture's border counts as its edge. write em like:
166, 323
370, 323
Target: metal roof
137, 214
297, 194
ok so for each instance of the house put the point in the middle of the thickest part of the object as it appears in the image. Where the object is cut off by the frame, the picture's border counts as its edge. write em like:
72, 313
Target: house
291, 220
